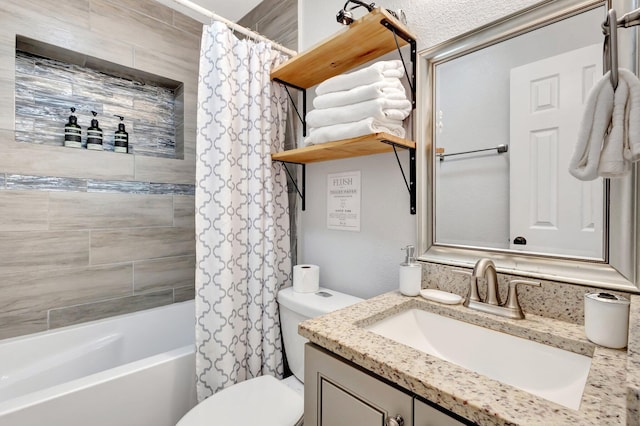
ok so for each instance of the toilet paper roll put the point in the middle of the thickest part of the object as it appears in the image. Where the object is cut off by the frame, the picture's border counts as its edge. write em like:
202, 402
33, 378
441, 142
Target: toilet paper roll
606, 319
306, 278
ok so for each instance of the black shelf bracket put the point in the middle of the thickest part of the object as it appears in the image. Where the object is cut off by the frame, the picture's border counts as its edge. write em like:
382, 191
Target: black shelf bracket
302, 193
411, 183
397, 32
303, 117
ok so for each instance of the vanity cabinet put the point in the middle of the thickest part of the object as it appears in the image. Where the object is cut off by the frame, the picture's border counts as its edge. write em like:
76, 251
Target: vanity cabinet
338, 393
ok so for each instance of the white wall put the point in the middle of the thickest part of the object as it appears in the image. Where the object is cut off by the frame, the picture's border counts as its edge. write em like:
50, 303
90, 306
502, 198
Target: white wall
366, 263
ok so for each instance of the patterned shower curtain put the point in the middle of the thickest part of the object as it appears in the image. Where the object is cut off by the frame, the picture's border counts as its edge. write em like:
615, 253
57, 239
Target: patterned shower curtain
242, 216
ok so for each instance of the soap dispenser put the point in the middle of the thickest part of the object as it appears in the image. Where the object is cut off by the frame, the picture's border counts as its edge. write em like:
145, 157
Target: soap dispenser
73, 132
121, 137
410, 273
94, 134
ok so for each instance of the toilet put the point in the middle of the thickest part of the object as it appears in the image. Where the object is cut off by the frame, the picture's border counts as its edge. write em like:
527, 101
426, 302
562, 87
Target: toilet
265, 400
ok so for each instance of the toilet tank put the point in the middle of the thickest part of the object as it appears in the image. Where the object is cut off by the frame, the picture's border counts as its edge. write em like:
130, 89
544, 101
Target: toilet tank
297, 307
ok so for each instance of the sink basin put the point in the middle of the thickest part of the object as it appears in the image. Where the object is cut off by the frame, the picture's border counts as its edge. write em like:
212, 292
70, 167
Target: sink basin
551, 373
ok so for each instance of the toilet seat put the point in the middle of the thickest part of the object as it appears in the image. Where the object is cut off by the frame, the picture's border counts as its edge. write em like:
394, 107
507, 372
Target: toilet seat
263, 401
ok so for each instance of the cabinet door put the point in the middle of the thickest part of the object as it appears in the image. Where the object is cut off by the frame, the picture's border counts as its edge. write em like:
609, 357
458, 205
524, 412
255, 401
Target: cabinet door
337, 393
426, 415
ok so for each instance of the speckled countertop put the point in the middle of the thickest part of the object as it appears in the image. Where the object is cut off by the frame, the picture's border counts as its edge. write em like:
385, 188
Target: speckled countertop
474, 396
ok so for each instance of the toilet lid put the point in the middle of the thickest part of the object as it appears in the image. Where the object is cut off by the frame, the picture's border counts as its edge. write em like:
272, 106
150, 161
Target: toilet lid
263, 401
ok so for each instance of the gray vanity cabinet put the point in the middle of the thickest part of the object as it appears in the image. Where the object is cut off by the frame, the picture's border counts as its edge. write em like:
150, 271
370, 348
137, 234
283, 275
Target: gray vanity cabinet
337, 393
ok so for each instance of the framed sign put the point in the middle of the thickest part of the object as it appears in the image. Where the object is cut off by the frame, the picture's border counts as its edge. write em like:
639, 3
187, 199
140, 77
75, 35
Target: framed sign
343, 201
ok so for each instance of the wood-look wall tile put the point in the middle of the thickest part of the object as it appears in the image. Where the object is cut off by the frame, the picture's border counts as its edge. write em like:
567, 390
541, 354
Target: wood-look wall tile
108, 19
75, 13
151, 9
108, 308
44, 160
77, 210
70, 37
23, 211
153, 169
168, 272
187, 24
184, 210
37, 251
7, 105
179, 69
190, 124
18, 324
42, 290
275, 19
183, 294
123, 245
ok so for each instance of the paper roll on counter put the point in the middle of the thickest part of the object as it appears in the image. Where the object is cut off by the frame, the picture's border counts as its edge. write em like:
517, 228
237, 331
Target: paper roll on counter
606, 319
306, 278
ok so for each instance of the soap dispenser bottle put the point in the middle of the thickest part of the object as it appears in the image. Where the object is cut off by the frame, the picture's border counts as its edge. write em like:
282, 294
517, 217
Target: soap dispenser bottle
73, 132
94, 134
410, 273
121, 137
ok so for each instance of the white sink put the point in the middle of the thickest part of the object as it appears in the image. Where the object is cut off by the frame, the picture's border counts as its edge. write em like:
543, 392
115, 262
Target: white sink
551, 373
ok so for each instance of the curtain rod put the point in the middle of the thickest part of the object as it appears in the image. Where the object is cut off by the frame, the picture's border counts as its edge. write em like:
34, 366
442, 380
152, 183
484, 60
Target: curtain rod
235, 27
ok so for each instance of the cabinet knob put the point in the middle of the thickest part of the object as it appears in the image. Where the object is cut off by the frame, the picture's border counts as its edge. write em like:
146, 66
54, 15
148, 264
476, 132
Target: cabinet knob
395, 421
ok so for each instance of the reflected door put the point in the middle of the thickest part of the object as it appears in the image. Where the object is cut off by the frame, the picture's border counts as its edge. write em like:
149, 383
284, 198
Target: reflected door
550, 211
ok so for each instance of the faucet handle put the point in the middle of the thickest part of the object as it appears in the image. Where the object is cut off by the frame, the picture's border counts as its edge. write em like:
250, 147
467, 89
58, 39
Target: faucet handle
512, 297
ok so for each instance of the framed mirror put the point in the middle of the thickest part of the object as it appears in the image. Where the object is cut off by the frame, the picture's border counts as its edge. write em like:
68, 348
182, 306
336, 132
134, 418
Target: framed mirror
497, 122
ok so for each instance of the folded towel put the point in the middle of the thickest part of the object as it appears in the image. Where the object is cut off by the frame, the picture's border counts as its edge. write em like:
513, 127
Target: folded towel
352, 130
380, 109
371, 74
631, 116
609, 134
389, 88
612, 162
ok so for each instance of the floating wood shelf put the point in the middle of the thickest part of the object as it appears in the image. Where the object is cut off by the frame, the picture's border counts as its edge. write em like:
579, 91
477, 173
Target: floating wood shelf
375, 34
375, 143
364, 40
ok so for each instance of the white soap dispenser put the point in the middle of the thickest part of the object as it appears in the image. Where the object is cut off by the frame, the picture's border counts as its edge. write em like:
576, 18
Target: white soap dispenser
410, 274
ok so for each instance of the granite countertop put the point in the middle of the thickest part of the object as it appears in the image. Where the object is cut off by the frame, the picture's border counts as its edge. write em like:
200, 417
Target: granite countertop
472, 395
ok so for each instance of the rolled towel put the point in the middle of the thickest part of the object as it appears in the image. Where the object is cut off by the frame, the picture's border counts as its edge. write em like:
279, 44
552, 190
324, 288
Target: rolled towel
352, 130
612, 162
609, 134
389, 88
380, 109
371, 74
632, 116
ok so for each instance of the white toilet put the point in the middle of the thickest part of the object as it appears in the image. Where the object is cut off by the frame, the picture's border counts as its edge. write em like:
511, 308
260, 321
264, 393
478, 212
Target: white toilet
266, 401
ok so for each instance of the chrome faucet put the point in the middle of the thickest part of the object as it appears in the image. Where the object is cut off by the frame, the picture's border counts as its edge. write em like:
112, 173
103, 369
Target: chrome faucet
485, 268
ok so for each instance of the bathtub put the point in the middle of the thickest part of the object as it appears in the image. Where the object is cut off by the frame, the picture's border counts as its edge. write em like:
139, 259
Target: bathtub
131, 370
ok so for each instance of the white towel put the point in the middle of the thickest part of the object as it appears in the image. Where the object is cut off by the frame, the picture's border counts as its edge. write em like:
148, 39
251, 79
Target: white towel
371, 74
389, 88
353, 130
609, 134
380, 109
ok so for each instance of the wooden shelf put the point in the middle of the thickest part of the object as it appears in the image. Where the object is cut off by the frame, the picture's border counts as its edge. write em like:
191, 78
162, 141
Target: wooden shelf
362, 41
375, 143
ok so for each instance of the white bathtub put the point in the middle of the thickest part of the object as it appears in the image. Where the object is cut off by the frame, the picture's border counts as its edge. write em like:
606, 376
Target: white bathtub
132, 370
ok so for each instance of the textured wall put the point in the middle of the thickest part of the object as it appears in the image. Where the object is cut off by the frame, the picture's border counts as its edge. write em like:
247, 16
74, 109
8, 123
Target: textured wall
88, 234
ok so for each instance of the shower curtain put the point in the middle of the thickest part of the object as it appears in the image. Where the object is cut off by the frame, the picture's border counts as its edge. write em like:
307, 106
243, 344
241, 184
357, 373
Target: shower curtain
242, 216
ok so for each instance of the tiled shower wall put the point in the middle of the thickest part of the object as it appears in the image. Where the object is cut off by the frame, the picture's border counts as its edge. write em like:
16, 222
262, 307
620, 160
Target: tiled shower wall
46, 89
89, 234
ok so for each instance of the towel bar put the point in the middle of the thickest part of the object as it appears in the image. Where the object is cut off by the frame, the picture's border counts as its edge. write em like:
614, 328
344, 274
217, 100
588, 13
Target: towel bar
610, 46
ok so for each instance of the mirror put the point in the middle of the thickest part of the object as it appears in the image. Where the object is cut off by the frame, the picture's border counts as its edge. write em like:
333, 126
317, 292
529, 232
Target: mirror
497, 124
